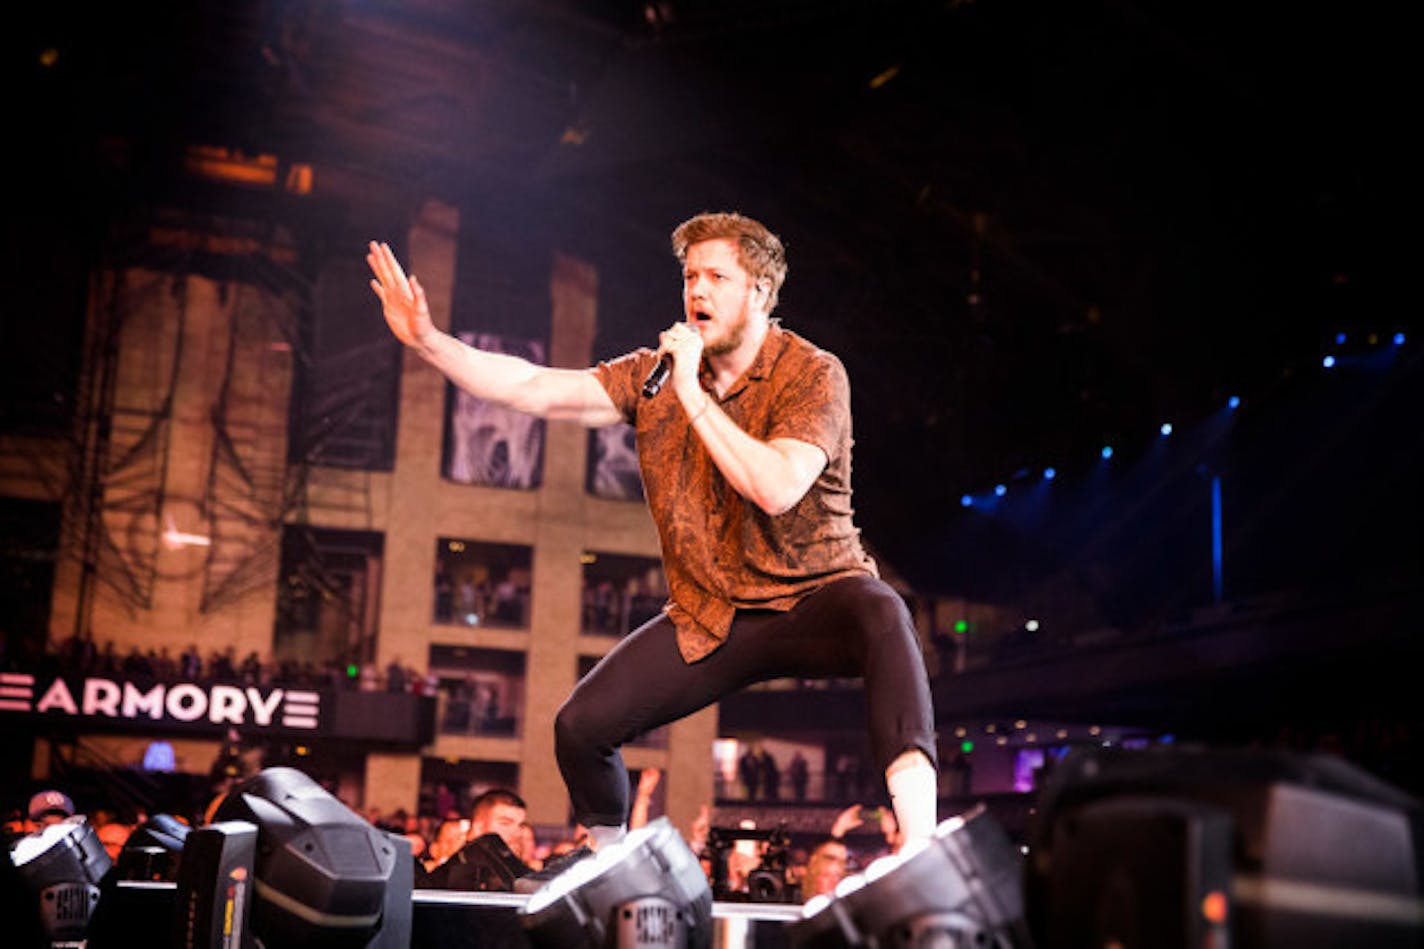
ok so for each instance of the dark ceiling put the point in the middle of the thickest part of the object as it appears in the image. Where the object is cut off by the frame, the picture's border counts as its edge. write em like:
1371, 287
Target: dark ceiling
1027, 226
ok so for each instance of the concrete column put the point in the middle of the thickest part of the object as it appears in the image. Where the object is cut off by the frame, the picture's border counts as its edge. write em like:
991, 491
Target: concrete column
407, 587
552, 660
392, 782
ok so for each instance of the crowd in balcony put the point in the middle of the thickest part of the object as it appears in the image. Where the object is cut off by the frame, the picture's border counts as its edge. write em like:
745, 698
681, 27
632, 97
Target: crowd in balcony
78, 656
611, 609
475, 706
467, 601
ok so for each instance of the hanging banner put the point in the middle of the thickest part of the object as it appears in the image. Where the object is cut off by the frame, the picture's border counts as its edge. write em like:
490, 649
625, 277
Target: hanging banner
489, 444
613, 464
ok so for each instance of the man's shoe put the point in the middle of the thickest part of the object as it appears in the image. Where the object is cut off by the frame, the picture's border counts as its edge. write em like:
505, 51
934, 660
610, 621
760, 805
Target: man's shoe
533, 881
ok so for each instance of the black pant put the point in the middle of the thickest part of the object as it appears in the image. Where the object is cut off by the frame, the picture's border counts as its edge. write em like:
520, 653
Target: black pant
854, 626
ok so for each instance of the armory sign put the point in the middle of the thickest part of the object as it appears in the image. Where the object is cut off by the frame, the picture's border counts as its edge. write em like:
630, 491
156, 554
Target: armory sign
174, 703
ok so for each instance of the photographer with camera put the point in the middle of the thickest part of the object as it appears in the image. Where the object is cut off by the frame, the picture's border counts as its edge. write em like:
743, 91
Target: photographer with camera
750, 865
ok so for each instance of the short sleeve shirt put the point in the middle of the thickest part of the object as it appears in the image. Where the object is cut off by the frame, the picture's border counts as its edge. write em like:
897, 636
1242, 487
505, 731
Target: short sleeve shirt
721, 552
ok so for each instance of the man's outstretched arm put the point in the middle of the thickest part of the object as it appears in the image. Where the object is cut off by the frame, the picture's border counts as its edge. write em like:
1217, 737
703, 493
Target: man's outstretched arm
566, 394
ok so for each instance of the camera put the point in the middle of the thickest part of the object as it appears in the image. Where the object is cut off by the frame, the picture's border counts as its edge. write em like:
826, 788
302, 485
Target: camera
767, 882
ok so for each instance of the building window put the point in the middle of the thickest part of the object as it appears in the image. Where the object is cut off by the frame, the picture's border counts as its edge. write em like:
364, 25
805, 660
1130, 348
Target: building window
346, 388
481, 691
482, 584
327, 598
621, 592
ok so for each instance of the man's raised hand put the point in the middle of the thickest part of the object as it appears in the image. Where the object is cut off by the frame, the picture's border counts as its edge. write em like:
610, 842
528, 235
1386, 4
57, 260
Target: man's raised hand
402, 299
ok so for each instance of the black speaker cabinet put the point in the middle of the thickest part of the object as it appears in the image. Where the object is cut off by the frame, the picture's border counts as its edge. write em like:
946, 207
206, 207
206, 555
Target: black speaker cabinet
215, 878
1140, 871
398, 912
1283, 850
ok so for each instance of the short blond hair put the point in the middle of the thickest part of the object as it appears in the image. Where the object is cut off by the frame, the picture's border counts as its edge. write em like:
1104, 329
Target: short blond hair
759, 251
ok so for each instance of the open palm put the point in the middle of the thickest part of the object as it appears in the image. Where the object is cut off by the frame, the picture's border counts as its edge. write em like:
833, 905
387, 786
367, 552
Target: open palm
402, 299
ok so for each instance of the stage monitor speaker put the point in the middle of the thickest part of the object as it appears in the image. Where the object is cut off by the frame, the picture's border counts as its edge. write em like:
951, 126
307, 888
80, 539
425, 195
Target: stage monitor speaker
1140, 871
61, 867
398, 915
215, 873
1321, 853
322, 871
153, 849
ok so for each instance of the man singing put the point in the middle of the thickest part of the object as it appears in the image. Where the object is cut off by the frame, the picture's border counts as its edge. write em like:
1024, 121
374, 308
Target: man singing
745, 455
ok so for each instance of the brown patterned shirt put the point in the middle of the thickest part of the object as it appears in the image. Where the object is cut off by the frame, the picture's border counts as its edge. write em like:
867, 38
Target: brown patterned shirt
720, 551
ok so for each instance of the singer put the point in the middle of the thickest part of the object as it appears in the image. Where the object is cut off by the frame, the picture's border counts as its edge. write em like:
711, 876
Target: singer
746, 460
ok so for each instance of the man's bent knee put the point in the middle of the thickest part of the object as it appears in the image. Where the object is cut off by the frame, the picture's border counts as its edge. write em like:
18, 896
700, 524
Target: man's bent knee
879, 609
571, 726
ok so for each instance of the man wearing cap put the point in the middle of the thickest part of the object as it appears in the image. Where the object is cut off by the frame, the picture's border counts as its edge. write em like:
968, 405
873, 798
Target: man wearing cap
50, 807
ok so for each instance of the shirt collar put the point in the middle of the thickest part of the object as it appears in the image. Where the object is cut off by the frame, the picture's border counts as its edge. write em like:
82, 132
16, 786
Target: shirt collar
772, 345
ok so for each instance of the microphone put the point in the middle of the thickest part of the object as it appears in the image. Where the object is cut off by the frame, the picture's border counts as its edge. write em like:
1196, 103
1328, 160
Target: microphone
658, 376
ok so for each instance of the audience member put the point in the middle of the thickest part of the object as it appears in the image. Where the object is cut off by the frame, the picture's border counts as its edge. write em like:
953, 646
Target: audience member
825, 867
744, 857
749, 770
799, 773
770, 776
498, 811
444, 801
395, 676
14, 825
643, 799
449, 838
113, 835
526, 847
49, 807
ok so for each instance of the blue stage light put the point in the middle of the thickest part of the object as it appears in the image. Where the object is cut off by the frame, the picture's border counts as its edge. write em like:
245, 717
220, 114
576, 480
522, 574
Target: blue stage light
1049, 474
1328, 362
1000, 490
1234, 402
966, 500
1399, 339
1340, 339
1166, 429
1107, 452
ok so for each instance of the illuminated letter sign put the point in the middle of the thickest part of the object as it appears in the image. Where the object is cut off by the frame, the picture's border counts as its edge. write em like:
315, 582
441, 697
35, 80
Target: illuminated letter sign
176, 703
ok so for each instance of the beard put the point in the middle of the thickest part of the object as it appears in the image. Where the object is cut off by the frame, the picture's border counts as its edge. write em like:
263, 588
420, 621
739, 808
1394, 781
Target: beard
732, 339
